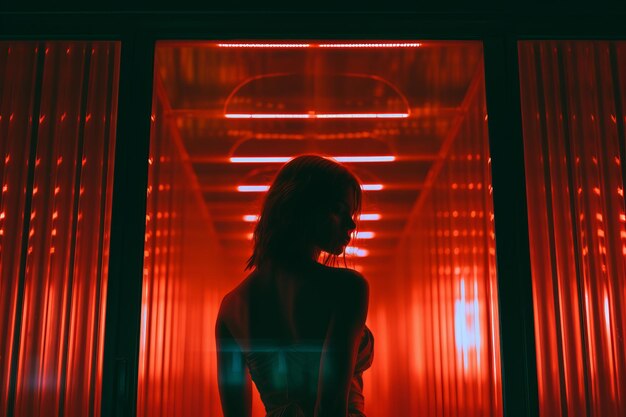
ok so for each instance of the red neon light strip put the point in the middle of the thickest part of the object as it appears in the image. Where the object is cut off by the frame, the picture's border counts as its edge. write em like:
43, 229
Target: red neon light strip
362, 217
317, 116
263, 45
389, 158
372, 187
323, 45
350, 250
252, 188
371, 45
369, 216
263, 188
362, 116
281, 159
353, 250
262, 159
269, 116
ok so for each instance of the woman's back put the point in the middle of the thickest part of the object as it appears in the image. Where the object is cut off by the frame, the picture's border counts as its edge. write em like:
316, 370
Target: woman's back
292, 306
298, 327
281, 321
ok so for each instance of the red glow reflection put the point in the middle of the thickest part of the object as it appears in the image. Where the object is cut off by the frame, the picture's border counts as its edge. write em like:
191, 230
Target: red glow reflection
467, 324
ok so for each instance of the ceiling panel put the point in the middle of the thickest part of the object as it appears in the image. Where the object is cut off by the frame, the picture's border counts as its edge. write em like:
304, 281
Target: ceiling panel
202, 85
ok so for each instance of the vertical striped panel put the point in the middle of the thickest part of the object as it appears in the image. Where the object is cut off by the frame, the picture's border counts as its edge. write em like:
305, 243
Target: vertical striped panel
573, 120
58, 109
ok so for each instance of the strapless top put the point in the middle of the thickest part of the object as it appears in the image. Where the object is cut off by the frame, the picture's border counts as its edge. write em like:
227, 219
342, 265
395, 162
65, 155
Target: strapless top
287, 376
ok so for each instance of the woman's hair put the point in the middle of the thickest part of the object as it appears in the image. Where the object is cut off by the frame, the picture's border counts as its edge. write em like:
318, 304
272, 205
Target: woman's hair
301, 189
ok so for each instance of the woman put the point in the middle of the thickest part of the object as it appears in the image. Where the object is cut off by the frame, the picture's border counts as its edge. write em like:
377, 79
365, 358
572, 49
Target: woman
294, 326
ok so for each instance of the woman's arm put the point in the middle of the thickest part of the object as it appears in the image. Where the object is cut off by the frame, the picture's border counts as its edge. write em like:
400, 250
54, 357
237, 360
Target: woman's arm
341, 347
233, 378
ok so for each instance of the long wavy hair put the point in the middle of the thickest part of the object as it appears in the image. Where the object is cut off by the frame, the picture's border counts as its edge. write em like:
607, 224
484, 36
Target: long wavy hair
302, 188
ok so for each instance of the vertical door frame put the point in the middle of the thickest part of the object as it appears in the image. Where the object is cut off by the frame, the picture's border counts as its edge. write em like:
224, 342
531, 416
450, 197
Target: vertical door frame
515, 297
128, 223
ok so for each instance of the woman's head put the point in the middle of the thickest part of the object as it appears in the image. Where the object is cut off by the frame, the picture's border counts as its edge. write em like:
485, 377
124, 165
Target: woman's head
309, 208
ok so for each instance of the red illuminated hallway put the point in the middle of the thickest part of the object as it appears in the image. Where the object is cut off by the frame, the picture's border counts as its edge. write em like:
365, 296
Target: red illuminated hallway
413, 127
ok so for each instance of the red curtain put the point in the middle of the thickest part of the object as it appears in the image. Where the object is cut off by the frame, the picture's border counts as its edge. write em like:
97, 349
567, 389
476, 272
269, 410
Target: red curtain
573, 121
57, 127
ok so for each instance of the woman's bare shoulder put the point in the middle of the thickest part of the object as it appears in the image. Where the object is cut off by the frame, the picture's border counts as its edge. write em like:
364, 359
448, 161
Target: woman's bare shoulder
232, 300
327, 278
354, 277
347, 279
349, 274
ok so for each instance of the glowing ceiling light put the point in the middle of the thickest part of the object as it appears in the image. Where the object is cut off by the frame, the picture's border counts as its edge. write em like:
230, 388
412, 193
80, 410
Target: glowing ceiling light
267, 116
313, 115
364, 235
353, 250
369, 216
252, 188
362, 116
388, 158
263, 159
371, 187
263, 45
262, 188
323, 45
282, 159
251, 218
372, 45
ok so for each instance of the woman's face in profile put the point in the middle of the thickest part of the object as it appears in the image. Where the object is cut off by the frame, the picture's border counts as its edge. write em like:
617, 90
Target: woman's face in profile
335, 225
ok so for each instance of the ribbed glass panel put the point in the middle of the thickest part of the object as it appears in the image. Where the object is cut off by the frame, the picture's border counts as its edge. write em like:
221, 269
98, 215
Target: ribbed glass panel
573, 120
57, 133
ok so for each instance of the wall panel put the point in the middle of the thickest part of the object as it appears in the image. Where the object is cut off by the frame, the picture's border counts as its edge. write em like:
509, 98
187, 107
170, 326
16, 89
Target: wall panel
57, 130
573, 123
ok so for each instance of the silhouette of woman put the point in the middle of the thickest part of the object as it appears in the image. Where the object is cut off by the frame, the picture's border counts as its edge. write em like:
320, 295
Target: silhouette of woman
295, 326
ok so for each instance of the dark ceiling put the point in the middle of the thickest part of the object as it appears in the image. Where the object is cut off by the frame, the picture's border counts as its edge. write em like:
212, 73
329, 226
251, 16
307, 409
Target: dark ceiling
418, 6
